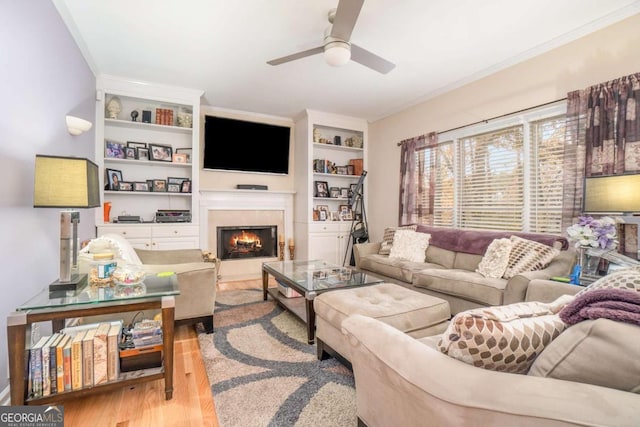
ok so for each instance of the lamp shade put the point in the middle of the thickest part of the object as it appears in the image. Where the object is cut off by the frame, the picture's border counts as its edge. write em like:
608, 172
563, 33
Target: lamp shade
337, 53
609, 194
65, 182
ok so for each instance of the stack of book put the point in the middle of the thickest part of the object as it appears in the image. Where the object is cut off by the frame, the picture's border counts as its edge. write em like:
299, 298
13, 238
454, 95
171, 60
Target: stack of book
164, 116
74, 358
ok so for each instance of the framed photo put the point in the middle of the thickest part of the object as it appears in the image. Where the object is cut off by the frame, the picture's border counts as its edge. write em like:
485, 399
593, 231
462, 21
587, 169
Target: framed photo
334, 192
323, 208
322, 189
173, 188
344, 192
186, 151
322, 215
345, 213
160, 185
125, 186
160, 153
179, 158
114, 177
341, 170
316, 215
350, 170
176, 180
114, 150
129, 152
142, 153
186, 186
133, 144
352, 189
140, 186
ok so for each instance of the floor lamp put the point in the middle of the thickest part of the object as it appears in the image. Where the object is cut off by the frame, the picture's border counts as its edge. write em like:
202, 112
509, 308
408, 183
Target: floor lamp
69, 183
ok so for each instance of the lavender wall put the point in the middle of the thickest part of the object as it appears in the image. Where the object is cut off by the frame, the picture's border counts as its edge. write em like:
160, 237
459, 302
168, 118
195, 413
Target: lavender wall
43, 77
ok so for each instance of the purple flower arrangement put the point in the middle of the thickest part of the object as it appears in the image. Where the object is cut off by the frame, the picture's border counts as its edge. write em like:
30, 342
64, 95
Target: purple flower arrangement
594, 233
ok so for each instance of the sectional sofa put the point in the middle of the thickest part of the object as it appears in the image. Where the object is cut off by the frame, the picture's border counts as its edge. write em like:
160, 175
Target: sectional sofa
449, 267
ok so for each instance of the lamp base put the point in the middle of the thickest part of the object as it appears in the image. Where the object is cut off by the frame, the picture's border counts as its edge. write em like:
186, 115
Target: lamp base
78, 281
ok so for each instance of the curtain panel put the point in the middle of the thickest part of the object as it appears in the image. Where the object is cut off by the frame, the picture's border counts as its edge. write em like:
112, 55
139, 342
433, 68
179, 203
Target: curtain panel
411, 187
602, 137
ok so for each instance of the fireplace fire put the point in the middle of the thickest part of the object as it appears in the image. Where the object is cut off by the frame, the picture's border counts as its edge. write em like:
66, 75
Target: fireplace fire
247, 242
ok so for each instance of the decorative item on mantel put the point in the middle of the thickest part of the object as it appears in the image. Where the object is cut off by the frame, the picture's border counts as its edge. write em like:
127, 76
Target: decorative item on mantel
281, 246
593, 238
292, 248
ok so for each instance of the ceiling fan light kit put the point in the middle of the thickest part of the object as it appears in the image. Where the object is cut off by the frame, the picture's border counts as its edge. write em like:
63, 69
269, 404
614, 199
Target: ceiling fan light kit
337, 53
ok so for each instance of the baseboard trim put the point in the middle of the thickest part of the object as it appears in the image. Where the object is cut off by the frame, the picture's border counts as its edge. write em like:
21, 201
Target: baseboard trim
5, 397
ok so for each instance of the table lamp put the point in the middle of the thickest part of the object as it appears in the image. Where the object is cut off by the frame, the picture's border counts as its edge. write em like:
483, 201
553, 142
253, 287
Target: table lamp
69, 183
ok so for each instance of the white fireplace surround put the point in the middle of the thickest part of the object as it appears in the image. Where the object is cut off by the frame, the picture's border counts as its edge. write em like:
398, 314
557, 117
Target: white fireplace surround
243, 200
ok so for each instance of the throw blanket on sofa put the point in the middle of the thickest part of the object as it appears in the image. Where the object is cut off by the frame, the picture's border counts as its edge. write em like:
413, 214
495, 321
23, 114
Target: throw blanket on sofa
615, 304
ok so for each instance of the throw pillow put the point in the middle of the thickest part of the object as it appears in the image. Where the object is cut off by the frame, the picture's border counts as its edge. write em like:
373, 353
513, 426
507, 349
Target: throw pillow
601, 352
506, 338
628, 278
527, 255
496, 258
387, 238
409, 245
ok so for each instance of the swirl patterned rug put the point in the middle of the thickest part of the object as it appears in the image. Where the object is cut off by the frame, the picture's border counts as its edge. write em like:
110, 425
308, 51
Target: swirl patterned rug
263, 373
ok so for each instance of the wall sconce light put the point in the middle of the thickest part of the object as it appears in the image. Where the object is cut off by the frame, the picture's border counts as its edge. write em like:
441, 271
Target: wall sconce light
76, 125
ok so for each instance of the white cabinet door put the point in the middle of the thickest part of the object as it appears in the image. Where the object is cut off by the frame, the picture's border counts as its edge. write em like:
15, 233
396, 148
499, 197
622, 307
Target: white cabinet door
324, 246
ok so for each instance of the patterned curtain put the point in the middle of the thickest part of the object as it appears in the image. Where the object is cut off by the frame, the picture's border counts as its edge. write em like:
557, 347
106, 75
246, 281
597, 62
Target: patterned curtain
602, 137
411, 187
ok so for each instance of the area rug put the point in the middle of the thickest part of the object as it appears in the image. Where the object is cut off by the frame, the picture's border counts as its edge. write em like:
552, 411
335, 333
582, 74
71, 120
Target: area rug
263, 373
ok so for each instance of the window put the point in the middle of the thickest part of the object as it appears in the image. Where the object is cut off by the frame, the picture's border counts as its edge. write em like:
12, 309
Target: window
505, 175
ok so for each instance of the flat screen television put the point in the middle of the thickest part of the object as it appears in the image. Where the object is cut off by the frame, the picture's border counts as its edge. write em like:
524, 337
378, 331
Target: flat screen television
238, 145
612, 194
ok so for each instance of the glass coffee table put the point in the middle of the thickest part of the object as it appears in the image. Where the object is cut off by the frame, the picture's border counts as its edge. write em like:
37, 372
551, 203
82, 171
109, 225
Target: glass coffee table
310, 278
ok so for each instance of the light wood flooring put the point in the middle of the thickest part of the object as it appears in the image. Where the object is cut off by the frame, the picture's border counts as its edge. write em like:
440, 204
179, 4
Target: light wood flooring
144, 404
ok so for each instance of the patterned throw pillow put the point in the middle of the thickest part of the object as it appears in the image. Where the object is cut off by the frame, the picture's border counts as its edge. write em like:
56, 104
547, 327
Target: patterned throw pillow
506, 338
410, 245
387, 238
527, 255
628, 278
496, 258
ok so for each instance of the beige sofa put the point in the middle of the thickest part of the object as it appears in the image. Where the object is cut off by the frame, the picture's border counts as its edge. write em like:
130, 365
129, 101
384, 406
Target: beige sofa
401, 380
448, 271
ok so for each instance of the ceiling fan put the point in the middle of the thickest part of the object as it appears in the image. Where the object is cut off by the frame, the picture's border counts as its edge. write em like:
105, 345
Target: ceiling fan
337, 47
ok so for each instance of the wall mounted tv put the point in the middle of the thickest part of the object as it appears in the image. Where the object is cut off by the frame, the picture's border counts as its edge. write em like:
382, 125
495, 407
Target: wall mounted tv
237, 145
612, 194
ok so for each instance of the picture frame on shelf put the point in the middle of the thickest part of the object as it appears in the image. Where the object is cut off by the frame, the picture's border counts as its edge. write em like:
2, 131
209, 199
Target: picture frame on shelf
136, 145
321, 189
186, 151
344, 192
160, 153
350, 170
129, 153
186, 186
125, 186
173, 188
140, 186
316, 215
114, 177
341, 170
113, 150
322, 215
176, 180
146, 116
142, 153
345, 212
334, 192
160, 185
323, 208
180, 158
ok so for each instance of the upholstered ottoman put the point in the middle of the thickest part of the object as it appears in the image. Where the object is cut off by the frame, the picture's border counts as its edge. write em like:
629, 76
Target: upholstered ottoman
412, 312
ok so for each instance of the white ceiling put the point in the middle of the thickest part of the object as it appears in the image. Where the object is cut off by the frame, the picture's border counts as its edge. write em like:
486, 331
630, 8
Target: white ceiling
221, 46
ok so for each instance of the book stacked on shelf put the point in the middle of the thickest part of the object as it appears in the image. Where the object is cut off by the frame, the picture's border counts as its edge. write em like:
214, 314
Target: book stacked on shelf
164, 116
75, 358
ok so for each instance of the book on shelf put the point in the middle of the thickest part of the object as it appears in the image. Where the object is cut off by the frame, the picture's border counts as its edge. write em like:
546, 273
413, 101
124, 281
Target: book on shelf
46, 365
87, 357
60, 362
100, 354
66, 361
53, 363
76, 360
36, 367
113, 356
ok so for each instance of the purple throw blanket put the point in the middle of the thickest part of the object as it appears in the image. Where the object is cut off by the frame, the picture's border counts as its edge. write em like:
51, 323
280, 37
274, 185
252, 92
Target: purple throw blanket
615, 304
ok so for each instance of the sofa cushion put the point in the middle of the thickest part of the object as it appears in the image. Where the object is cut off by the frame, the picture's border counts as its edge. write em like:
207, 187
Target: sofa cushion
601, 352
506, 338
465, 284
527, 255
387, 238
439, 256
409, 245
496, 259
392, 267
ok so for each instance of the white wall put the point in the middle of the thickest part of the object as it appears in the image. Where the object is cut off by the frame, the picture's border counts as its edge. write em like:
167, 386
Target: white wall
601, 56
43, 77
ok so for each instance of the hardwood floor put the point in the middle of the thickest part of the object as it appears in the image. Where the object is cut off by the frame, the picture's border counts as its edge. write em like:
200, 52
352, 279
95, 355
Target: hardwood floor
144, 405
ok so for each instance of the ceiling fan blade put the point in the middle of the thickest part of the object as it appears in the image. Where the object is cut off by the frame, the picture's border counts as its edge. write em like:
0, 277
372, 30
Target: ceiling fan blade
345, 20
295, 56
371, 60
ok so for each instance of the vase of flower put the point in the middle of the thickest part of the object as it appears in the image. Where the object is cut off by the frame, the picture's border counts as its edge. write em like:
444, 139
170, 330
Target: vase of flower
593, 237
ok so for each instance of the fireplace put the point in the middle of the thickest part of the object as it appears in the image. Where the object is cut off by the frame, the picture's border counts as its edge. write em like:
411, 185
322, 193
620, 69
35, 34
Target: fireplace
247, 242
